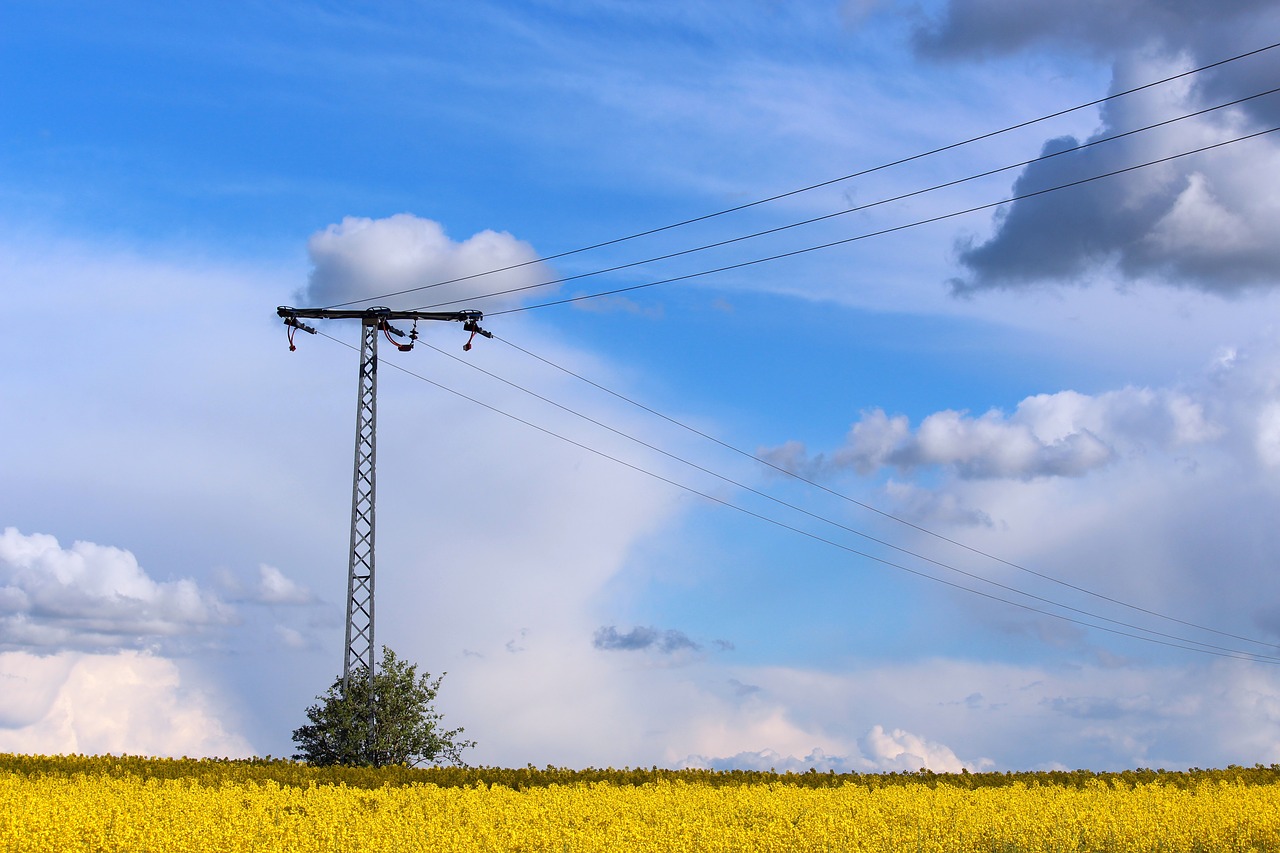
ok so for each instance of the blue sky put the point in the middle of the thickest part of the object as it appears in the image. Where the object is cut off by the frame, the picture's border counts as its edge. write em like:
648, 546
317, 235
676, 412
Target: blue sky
1082, 383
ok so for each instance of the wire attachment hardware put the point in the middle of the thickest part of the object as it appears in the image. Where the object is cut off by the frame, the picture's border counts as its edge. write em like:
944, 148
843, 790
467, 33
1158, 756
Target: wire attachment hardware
389, 330
474, 328
294, 325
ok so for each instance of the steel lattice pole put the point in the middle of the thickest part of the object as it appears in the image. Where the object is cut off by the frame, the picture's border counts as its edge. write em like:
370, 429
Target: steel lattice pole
360, 648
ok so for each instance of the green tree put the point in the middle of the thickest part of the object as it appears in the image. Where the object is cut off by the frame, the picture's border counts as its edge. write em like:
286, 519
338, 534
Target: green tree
399, 726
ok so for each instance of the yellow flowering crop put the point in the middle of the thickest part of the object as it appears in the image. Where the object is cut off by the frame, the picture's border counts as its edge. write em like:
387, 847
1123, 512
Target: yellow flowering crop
99, 804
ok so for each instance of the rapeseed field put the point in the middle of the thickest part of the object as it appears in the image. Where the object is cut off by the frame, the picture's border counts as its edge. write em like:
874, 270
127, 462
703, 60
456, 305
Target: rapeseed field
105, 804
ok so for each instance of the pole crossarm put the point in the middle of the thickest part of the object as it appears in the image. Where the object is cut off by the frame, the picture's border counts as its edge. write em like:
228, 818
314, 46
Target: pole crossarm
377, 314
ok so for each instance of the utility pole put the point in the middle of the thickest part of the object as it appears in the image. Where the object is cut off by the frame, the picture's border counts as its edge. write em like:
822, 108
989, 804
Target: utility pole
360, 649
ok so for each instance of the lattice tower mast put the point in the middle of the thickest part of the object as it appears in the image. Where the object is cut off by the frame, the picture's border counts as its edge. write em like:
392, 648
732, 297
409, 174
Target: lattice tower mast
360, 650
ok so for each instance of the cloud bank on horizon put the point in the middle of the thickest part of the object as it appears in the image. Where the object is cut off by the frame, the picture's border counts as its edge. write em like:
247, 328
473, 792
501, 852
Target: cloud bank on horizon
86, 640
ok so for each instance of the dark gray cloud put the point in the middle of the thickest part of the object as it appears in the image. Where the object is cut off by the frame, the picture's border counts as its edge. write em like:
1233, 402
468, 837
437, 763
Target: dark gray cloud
640, 638
1206, 221
968, 28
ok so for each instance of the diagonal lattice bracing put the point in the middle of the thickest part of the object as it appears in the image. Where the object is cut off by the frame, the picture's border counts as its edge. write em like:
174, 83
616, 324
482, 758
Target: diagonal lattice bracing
360, 649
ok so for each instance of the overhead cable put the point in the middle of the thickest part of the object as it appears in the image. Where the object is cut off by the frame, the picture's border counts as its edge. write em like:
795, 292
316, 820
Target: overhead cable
829, 182
880, 233
824, 519
844, 212
918, 528
1148, 635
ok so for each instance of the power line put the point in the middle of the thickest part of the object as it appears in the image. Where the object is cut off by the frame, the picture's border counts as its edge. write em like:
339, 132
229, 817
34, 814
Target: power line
819, 185
801, 478
856, 209
1147, 635
846, 240
826, 520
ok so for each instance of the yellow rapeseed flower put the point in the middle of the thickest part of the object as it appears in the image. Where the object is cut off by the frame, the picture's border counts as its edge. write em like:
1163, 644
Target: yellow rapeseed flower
106, 804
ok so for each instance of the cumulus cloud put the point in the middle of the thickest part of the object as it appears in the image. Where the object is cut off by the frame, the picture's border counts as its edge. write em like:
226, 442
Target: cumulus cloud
1205, 221
1066, 434
901, 750
361, 258
640, 638
128, 702
274, 588
1181, 501
92, 597
880, 751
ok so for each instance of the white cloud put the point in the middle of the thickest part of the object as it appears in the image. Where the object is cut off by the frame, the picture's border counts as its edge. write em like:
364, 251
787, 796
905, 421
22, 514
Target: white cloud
943, 714
1175, 517
880, 751
1065, 434
628, 710
490, 532
900, 750
986, 715
361, 258
1268, 435
929, 507
128, 702
486, 527
274, 588
92, 596
291, 637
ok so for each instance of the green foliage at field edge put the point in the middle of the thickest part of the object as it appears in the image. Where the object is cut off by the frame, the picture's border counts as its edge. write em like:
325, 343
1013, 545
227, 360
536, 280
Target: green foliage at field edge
215, 772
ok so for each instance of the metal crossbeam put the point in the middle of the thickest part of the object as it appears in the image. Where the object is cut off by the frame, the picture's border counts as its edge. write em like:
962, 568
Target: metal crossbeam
377, 314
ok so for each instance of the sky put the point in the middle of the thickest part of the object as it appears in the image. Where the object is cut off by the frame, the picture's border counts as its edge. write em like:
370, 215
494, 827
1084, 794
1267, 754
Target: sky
980, 483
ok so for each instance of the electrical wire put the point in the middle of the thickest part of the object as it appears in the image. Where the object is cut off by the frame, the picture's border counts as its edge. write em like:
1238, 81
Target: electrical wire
1147, 635
740, 485
846, 211
880, 233
916, 527
861, 173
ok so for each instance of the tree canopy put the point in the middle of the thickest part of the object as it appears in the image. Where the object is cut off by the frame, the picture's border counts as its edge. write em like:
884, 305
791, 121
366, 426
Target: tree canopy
397, 725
